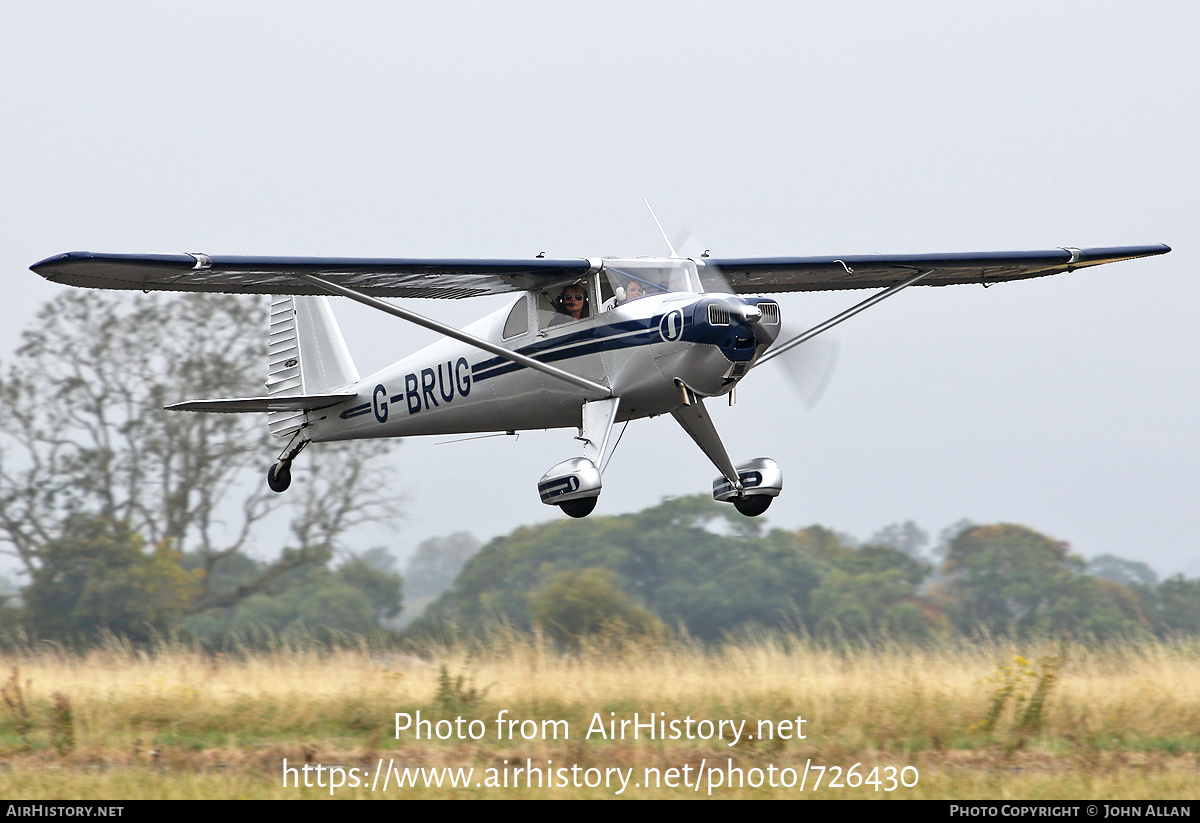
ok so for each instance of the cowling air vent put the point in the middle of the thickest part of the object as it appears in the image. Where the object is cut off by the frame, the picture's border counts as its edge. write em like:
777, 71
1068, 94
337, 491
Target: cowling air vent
717, 315
738, 371
770, 313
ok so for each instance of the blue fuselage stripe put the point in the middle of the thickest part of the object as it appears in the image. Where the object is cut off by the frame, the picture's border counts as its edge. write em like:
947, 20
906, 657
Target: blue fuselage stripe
540, 346
580, 350
589, 341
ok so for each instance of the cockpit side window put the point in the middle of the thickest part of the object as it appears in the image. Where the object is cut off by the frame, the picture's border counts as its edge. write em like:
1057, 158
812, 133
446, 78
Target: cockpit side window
518, 319
565, 303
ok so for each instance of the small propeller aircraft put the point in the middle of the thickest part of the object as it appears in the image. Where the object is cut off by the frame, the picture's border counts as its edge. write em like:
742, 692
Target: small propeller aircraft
587, 343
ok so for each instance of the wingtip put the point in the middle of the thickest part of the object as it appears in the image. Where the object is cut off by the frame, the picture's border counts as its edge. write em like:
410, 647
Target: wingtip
44, 267
1152, 251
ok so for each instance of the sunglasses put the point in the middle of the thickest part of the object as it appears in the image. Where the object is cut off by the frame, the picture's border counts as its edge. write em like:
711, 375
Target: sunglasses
571, 298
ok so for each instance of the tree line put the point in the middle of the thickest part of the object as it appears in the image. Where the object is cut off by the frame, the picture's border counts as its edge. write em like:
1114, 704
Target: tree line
693, 565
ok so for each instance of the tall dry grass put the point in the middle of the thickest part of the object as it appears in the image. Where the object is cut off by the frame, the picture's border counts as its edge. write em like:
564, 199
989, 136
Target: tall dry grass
1104, 707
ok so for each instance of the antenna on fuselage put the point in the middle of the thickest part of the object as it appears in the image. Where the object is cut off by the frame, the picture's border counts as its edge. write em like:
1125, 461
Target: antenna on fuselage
660, 228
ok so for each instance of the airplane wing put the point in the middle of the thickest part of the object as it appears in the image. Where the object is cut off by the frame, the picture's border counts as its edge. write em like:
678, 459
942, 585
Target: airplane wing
756, 275
388, 277
381, 277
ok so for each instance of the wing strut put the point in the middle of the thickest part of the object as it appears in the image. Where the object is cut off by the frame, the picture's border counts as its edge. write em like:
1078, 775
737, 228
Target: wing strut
846, 315
599, 391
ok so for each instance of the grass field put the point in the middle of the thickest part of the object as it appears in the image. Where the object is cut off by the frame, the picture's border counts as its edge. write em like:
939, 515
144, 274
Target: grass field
1001, 721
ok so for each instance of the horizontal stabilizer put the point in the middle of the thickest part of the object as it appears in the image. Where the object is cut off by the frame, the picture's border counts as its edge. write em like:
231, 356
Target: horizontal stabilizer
299, 403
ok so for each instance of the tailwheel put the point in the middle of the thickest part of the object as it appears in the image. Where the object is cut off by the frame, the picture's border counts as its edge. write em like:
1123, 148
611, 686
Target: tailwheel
752, 505
579, 508
279, 476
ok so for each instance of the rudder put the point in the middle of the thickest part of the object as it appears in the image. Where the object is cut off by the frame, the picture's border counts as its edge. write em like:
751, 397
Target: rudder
306, 355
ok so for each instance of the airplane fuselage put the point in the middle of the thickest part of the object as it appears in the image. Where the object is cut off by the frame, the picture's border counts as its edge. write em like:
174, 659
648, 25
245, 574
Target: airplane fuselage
641, 350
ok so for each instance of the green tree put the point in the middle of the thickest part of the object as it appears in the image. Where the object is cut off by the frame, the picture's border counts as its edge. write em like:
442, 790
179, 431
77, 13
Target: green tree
311, 600
1007, 578
373, 576
83, 437
1172, 607
578, 603
97, 574
869, 590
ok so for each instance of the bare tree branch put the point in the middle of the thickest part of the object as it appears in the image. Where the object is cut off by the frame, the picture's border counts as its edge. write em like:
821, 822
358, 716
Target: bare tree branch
82, 431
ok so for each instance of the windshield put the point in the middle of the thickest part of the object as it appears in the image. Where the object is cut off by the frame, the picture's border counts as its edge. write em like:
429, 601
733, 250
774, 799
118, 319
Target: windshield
633, 279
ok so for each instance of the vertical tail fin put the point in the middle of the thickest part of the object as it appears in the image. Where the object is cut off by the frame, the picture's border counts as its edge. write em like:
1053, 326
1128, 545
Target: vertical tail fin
306, 355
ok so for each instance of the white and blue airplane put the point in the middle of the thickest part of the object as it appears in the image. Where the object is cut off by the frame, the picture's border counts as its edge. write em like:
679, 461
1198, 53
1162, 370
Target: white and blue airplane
586, 343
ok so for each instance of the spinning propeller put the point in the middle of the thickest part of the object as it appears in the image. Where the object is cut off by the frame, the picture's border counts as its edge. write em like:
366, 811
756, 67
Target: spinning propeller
808, 366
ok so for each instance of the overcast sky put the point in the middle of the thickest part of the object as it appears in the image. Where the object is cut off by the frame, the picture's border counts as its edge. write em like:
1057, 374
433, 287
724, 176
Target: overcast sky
1068, 404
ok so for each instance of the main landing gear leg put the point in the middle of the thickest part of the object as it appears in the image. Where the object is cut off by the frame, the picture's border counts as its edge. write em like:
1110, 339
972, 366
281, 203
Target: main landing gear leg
694, 419
574, 485
751, 486
279, 476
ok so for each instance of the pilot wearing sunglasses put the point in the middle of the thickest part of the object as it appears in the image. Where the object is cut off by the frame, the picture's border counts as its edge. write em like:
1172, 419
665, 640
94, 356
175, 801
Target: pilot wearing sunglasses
572, 304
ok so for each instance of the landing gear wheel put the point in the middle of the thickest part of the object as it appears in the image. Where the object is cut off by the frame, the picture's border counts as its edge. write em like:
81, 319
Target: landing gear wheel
753, 505
579, 508
279, 477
